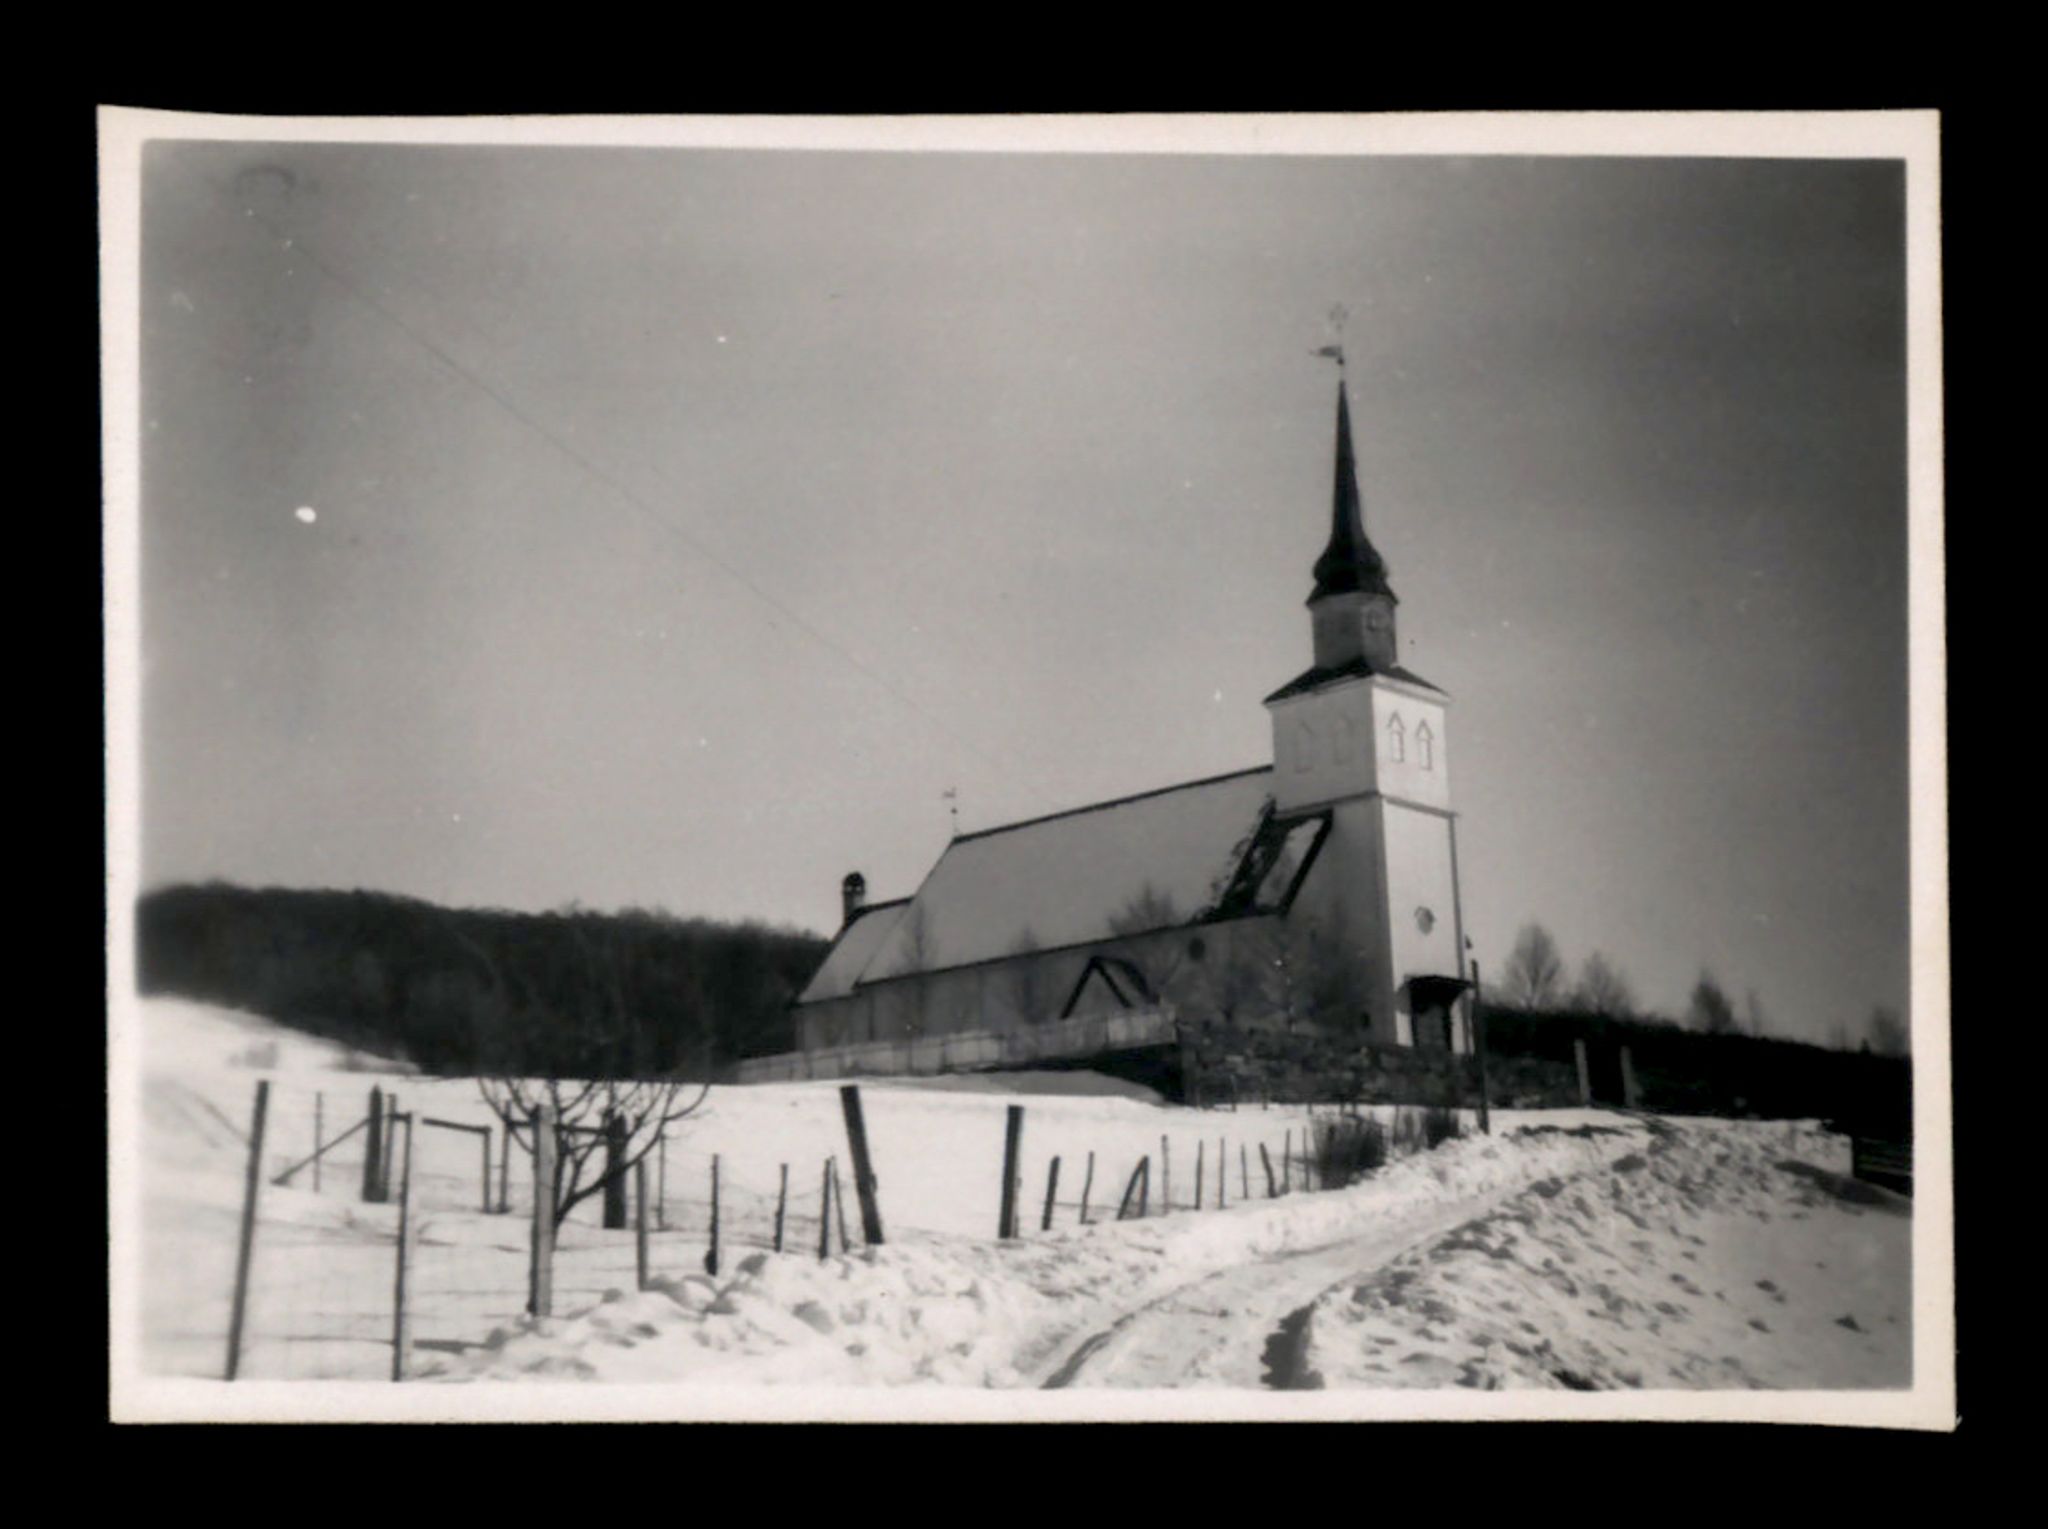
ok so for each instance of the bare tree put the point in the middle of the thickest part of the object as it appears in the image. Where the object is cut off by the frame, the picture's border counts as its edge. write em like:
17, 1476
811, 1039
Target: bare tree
1533, 975
621, 1117
1310, 981
617, 1110
1149, 908
1889, 1035
1227, 981
1710, 1009
1603, 990
1026, 979
917, 954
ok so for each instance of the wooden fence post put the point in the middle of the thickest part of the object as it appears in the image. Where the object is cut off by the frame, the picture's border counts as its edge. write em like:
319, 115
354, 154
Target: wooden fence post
541, 1294
1052, 1185
1165, 1179
661, 1178
863, 1167
485, 1143
408, 1232
640, 1223
1198, 1172
1585, 1073
1124, 1205
1479, 1050
781, 1206
839, 1208
1287, 1162
1244, 1170
1629, 1095
319, 1144
1144, 1186
614, 1171
252, 1181
711, 1255
1266, 1158
825, 1211
1087, 1184
504, 1167
373, 1150
1013, 1138
390, 1144
1222, 1173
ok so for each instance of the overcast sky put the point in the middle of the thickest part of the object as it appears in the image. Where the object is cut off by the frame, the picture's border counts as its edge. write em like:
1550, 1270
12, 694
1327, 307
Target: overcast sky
672, 527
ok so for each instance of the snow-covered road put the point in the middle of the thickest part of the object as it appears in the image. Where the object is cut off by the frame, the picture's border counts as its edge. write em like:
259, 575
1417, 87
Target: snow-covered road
1243, 1325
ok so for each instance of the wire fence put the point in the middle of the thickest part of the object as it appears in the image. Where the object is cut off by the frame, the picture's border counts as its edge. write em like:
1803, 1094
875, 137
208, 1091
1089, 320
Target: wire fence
373, 1238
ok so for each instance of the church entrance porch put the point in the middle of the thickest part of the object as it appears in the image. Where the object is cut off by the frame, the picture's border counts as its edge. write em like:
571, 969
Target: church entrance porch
1432, 1002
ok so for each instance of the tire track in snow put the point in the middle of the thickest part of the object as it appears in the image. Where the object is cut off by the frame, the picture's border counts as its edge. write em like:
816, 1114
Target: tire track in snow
1216, 1328
1286, 1356
1247, 1325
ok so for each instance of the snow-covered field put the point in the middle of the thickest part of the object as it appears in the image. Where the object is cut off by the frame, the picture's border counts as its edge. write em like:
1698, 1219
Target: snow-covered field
1568, 1249
1708, 1256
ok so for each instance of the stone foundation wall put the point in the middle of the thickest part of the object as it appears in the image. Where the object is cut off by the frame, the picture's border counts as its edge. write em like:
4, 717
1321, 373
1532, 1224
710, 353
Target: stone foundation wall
1222, 1061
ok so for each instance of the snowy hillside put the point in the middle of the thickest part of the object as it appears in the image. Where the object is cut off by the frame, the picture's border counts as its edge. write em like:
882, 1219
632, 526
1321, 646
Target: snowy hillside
180, 1035
1567, 1249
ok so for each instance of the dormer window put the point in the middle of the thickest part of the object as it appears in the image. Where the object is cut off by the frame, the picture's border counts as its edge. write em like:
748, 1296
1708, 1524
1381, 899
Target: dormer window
1397, 739
1425, 746
1273, 866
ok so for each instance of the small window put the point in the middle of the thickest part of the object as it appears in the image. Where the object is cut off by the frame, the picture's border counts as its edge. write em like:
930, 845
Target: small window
1425, 746
1397, 739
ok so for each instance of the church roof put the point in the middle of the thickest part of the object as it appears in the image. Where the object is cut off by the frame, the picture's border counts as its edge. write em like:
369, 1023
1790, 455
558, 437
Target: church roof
1316, 677
856, 944
1154, 861
1350, 563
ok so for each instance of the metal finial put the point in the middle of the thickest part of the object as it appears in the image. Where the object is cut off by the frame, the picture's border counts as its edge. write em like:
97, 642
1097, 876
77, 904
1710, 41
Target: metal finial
1338, 316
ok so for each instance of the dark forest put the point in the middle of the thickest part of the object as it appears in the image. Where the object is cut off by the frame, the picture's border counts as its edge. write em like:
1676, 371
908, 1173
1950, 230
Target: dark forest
478, 990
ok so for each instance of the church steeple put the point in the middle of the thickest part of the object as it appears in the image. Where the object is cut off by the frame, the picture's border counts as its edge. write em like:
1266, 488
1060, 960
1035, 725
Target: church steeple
1350, 564
1351, 609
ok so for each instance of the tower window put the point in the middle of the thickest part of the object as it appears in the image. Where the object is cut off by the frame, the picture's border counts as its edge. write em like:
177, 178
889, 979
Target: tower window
1397, 739
1425, 746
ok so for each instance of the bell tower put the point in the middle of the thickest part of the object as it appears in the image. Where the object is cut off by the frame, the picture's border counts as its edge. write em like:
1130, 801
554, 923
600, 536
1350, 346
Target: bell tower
1359, 736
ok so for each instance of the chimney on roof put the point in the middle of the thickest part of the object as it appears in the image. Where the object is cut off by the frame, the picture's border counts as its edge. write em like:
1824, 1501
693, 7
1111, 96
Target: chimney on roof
853, 896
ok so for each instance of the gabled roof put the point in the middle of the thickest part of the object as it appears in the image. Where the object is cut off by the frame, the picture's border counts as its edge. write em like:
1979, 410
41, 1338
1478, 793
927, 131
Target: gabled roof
850, 952
1358, 668
1154, 861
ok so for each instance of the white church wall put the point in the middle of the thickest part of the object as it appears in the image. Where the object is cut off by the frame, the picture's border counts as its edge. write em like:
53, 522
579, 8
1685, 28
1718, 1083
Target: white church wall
1421, 896
1413, 762
1346, 889
1322, 745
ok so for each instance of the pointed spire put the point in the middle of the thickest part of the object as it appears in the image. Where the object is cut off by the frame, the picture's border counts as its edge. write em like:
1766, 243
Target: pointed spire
1349, 563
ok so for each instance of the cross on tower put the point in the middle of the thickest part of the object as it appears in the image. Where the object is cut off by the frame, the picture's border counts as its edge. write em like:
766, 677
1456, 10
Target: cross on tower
1338, 316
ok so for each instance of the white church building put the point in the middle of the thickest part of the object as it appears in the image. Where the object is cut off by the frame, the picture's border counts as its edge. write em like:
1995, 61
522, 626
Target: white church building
1318, 891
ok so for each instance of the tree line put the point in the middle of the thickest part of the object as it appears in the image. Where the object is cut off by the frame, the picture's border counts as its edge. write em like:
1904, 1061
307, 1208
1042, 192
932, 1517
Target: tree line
1534, 977
1719, 1055
573, 992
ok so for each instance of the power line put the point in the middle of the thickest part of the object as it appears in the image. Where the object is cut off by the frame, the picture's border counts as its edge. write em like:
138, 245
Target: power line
617, 485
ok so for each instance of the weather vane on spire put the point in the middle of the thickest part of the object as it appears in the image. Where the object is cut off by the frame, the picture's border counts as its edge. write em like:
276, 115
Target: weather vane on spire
1338, 315
951, 797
